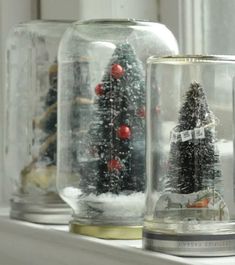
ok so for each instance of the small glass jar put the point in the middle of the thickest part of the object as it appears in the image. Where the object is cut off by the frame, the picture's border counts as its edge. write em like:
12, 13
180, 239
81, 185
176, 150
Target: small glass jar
190, 206
31, 121
101, 126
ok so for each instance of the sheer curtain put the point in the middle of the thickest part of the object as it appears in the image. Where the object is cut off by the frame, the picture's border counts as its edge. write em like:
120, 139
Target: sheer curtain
218, 26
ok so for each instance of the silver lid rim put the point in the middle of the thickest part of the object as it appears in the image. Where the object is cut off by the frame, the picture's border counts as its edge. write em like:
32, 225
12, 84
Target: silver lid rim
190, 59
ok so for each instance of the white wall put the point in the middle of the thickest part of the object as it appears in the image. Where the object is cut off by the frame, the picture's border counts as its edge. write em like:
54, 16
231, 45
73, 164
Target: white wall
91, 9
169, 14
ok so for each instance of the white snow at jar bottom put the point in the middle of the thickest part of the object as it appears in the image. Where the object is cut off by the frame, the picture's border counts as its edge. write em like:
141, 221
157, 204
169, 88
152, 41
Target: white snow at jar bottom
105, 205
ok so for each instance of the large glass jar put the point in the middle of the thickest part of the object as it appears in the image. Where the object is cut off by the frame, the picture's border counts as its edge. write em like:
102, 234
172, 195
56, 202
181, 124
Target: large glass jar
31, 121
101, 126
190, 205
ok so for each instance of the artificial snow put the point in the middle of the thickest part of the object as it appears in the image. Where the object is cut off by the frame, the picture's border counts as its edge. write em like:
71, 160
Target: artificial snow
118, 205
71, 192
107, 205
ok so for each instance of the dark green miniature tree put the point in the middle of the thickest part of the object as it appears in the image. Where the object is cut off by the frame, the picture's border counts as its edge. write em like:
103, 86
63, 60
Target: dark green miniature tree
48, 122
116, 135
194, 164
47, 125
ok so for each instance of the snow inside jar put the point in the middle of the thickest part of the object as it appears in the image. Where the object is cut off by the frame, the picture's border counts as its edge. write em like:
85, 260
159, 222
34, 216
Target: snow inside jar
190, 205
31, 122
101, 126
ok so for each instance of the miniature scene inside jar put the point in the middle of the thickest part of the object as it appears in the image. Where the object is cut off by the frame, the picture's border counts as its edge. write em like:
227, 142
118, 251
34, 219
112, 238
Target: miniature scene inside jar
192, 177
39, 175
101, 126
107, 122
30, 138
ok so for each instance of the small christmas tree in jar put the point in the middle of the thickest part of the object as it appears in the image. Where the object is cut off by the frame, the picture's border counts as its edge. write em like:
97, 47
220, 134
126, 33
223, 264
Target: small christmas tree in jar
101, 161
194, 179
41, 171
113, 179
190, 156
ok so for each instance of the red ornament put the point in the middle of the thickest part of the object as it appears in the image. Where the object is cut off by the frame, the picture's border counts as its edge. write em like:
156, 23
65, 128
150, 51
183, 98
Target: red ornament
117, 71
124, 132
114, 165
141, 113
99, 90
203, 203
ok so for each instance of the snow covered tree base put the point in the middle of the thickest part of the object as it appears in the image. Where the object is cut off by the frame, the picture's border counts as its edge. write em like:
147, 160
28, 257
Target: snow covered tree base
108, 208
204, 205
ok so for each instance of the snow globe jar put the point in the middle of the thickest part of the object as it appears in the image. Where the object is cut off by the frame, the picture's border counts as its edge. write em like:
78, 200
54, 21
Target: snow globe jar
31, 121
101, 126
190, 206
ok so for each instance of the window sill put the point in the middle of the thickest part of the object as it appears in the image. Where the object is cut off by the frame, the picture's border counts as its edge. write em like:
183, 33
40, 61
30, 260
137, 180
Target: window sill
25, 243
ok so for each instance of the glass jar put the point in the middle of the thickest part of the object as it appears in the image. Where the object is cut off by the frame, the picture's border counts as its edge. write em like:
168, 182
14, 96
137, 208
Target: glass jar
101, 126
190, 204
31, 121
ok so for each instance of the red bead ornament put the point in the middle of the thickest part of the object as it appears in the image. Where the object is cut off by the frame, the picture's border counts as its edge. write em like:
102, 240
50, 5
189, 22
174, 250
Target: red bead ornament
124, 132
117, 71
114, 164
99, 90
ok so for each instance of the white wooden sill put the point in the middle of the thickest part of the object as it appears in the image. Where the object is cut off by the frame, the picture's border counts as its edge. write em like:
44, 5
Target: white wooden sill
23, 243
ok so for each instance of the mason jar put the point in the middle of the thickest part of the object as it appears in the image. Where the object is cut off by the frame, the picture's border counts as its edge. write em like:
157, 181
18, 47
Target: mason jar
31, 121
190, 204
101, 126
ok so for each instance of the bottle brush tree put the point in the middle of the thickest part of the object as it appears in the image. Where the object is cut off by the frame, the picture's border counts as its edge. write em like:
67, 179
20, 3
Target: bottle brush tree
116, 134
194, 162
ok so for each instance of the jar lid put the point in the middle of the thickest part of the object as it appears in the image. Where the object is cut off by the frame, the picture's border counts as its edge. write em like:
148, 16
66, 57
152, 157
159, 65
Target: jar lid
107, 231
193, 245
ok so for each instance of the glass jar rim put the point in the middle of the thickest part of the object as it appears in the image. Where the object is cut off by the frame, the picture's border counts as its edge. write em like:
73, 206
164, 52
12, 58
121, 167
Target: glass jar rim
104, 21
190, 59
44, 21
